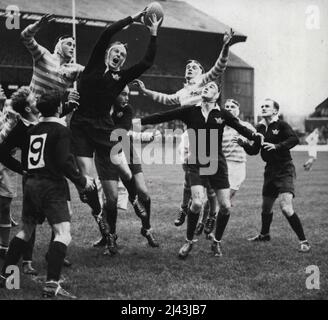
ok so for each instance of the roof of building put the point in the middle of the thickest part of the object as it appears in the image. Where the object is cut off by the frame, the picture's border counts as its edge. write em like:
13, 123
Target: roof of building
178, 14
236, 62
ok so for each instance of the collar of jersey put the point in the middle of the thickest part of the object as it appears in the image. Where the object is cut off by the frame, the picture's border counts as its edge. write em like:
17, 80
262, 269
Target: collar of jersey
216, 107
274, 119
28, 123
52, 119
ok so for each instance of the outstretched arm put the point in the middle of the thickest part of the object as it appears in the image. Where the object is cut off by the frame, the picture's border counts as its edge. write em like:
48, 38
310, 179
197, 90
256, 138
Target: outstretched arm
175, 114
137, 70
29, 33
234, 122
167, 99
98, 54
217, 70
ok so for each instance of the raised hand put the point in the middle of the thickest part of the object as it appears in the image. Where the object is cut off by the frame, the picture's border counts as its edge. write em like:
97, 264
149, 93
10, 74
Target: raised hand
90, 184
139, 85
73, 96
46, 19
138, 16
227, 38
155, 23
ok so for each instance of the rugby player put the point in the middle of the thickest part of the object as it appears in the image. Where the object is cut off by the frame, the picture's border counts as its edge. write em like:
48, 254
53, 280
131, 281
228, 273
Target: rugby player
24, 103
92, 125
46, 191
312, 140
8, 179
236, 161
209, 117
279, 173
121, 113
51, 70
190, 94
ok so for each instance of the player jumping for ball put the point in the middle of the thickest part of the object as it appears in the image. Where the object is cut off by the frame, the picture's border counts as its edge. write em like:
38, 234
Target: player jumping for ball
189, 95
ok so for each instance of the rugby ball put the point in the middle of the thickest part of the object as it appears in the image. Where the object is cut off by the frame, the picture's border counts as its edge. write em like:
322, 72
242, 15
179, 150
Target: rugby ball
153, 8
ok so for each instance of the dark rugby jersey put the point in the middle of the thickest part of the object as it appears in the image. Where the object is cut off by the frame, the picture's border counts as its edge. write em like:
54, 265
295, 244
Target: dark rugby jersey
122, 117
17, 138
99, 88
194, 118
281, 135
49, 152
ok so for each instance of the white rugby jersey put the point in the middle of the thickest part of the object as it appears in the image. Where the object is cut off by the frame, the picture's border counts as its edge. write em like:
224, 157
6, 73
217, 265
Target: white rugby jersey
232, 150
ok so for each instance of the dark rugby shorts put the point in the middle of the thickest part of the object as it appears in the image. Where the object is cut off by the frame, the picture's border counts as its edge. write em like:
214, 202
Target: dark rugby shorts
134, 161
279, 179
91, 136
217, 181
45, 198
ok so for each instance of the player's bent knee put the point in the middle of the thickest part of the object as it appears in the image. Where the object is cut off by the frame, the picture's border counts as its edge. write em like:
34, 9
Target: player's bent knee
196, 205
64, 238
26, 232
287, 210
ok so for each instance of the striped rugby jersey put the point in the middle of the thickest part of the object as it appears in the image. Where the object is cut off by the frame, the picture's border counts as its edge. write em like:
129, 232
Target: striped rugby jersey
231, 150
191, 93
8, 179
48, 74
7, 123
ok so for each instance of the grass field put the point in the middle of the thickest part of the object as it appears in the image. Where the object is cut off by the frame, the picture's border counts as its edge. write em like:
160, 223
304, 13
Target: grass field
274, 270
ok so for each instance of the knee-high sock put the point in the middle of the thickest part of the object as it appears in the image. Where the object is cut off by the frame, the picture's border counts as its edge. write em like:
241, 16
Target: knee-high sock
146, 202
212, 204
4, 236
221, 223
5, 223
266, 222
130, 185
28, 253
16, 248
206, 210
296, 225
192, 219
50, 242
91, 198
111, 214
56, 256
186, 196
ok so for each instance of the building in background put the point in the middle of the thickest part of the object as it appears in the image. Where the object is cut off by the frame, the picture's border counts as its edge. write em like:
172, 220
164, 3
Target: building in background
187, 33
319, 119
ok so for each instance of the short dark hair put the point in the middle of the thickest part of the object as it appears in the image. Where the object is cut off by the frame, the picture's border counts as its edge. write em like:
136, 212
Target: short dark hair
19, 100
275, 104
48, 103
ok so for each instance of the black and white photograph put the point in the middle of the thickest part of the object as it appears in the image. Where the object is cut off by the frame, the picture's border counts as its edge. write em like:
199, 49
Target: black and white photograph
163, 154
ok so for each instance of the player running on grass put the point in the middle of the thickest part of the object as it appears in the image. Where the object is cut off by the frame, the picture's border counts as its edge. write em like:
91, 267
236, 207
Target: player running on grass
46, 191
189, 95
312, 140
279, 173
209, 117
